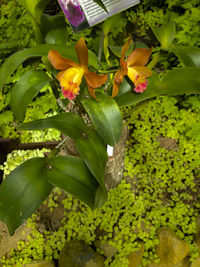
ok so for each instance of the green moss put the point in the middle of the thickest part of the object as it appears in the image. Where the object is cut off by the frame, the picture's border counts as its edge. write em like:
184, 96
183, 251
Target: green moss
16, 157
13, 17
184, 13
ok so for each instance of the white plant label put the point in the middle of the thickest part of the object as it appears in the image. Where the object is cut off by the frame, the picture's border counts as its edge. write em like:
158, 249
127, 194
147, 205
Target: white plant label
82, 14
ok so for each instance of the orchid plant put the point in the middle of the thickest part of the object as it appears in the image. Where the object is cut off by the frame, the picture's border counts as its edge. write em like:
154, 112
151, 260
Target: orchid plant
71, 75
99, 95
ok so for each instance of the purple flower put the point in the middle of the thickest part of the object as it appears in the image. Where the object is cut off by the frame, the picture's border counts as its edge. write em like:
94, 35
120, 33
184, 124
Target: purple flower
73, 12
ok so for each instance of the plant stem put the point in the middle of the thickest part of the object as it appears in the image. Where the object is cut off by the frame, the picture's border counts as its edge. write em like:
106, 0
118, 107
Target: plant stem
107, 71
100, 47
66, 139
57, 148
154, 61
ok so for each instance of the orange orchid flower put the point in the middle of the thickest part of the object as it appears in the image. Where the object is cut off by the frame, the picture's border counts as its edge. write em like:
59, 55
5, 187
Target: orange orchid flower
134, 68
71, 73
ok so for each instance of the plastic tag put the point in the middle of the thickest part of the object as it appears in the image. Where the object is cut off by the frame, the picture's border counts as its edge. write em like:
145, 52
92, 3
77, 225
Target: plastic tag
110, 150
82, 14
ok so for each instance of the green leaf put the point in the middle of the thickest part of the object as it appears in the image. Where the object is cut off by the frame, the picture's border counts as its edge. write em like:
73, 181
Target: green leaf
70, 124
71, 174
22, 192
25, 89
125, 87
141, 45
54, 29
181, 81
35, 7
11, 64
101, 4
108, 26
188, 55
93, 151
106, 117
174, 82
116, 50
106, 50
165, 34
112, 22
132, 97
100, 197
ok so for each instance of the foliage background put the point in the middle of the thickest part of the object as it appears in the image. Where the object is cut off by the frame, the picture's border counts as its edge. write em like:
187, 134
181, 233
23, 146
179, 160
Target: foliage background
147, 164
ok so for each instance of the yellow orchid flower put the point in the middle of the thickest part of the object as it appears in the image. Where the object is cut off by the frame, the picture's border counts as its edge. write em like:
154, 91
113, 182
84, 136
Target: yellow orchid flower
71, 73
134, 68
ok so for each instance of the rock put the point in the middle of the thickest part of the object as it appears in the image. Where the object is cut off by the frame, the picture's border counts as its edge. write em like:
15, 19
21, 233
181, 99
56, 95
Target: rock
171, 250
108, 250
184, 263
142, 227
8, 242
115, 164
78, 254
195, 263
197, 235
135, 258
167, 143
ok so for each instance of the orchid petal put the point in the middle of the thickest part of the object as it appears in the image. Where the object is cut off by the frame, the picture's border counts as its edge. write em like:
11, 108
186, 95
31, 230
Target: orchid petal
91, 91
123, 53
133, 72
139, 57
95, 80
60, 74
71, 76
59, 62
119, 75
115, 88
70, 81
143, 70
118, 79
82, 53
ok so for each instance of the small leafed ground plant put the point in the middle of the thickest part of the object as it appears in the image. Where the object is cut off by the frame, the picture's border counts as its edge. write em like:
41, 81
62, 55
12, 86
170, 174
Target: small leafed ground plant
90, 93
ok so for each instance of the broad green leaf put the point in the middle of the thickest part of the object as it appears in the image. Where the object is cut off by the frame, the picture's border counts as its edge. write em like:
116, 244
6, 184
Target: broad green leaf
71, 174
100, 197
116, 50
125, 87
109, 25
93, 151
188, 55
11, 64
132, 97
22, 192
101, 4
181, 81
141, 45
112, 22
35, 7
54, 29
165, 34
174, 82
70, 124
106, 117
25, 90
